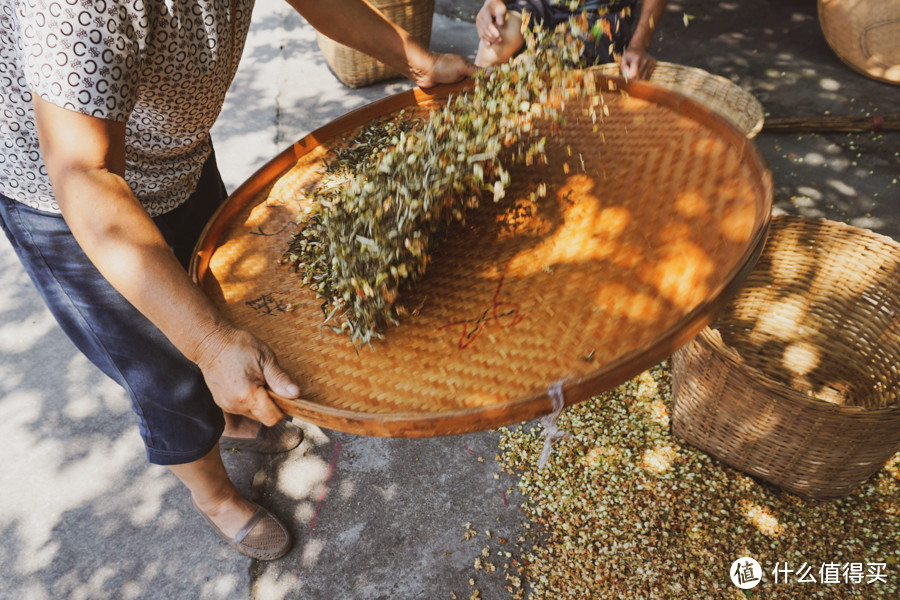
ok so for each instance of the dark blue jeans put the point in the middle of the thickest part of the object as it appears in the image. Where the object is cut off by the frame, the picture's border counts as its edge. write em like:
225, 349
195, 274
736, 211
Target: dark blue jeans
178, 419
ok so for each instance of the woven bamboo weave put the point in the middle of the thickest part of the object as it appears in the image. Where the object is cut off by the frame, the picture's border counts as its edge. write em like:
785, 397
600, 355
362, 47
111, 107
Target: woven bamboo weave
719, 94
797, 380
356, 69
865, 35
623, 260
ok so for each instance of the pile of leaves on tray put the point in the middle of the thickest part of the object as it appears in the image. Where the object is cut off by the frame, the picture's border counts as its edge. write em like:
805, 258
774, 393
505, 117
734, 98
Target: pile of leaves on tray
624, 510
388, 193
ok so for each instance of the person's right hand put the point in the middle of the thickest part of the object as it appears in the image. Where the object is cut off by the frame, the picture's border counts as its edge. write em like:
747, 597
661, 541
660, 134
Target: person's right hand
489, 20
238, 368
637, 63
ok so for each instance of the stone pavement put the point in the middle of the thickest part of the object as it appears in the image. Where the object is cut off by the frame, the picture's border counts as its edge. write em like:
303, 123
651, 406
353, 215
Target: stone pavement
83, 516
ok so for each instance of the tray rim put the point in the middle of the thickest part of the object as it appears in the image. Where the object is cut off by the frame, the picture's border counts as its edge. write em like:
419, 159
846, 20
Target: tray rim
432, 424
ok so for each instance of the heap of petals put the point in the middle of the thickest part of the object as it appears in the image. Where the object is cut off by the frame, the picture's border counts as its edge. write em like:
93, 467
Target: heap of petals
391, 191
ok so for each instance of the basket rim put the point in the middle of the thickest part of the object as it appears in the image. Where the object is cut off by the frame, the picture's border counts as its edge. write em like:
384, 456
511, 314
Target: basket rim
426, 424
852, 55
612, 70
710, 336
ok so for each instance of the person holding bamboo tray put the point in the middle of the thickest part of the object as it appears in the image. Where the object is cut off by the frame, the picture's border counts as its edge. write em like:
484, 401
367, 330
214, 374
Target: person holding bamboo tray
617, 30
107, 177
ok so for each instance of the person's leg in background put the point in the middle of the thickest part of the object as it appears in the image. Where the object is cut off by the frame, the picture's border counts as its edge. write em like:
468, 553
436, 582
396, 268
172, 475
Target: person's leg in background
511, 42
499, 25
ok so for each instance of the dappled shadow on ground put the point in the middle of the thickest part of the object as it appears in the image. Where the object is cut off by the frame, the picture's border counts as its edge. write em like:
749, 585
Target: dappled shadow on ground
391, 520
776, 51
83, 516
462, 10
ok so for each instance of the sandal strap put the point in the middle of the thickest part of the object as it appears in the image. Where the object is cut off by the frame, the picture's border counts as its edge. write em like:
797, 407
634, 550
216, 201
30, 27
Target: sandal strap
238, 541
259, 515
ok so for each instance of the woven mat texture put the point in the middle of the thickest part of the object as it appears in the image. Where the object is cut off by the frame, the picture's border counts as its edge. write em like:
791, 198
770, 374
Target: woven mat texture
797, 383
865, 34
656, 216
723, 96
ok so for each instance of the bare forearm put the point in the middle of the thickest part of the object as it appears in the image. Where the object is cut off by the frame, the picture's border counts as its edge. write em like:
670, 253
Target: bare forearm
357, 24
648, 20
85, 158
124, 244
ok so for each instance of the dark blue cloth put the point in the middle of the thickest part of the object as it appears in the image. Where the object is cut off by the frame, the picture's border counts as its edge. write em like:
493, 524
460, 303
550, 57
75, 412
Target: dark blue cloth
619, 15
178, 420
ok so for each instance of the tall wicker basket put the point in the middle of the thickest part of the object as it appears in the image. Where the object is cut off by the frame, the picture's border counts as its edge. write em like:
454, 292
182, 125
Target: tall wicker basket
355, 69
797, 380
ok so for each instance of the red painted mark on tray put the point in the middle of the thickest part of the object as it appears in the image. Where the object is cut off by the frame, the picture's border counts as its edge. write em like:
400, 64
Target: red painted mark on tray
505, 501
312, 522
503, 314
469, 450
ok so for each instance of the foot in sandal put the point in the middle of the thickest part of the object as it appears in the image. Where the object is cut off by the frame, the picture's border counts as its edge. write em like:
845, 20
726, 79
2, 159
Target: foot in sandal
261, 535
243, 524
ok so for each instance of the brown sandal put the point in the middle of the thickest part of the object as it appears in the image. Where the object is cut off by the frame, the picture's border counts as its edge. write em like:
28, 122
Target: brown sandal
263, 537
281, 437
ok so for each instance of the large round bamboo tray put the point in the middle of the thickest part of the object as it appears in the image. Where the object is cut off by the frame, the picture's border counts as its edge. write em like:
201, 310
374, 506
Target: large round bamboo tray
865, 35
718, 93
797, 383
623, 260
356, 69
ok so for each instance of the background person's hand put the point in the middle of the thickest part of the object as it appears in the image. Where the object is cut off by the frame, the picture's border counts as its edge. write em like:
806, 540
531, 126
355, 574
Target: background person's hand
237, 368
444, 68
489, 20
637, 64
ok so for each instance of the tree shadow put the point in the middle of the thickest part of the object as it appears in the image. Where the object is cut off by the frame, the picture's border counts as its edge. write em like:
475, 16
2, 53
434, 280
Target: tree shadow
776, 51
797, 382
83, 515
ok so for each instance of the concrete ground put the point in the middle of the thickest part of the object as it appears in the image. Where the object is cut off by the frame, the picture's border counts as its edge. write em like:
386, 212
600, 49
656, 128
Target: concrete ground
83, 516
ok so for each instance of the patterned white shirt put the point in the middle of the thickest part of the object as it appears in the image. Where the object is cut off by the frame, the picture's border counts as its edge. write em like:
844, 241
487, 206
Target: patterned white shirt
161, 66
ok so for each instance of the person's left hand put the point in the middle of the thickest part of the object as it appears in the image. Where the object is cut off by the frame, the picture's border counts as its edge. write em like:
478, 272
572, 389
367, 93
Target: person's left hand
637, 63
444, 68
238, 368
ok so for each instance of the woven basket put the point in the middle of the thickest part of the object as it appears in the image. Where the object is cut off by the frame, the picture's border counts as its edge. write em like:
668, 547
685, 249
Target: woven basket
356, 69
865, 34
797, 380
644, 228
721, 95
